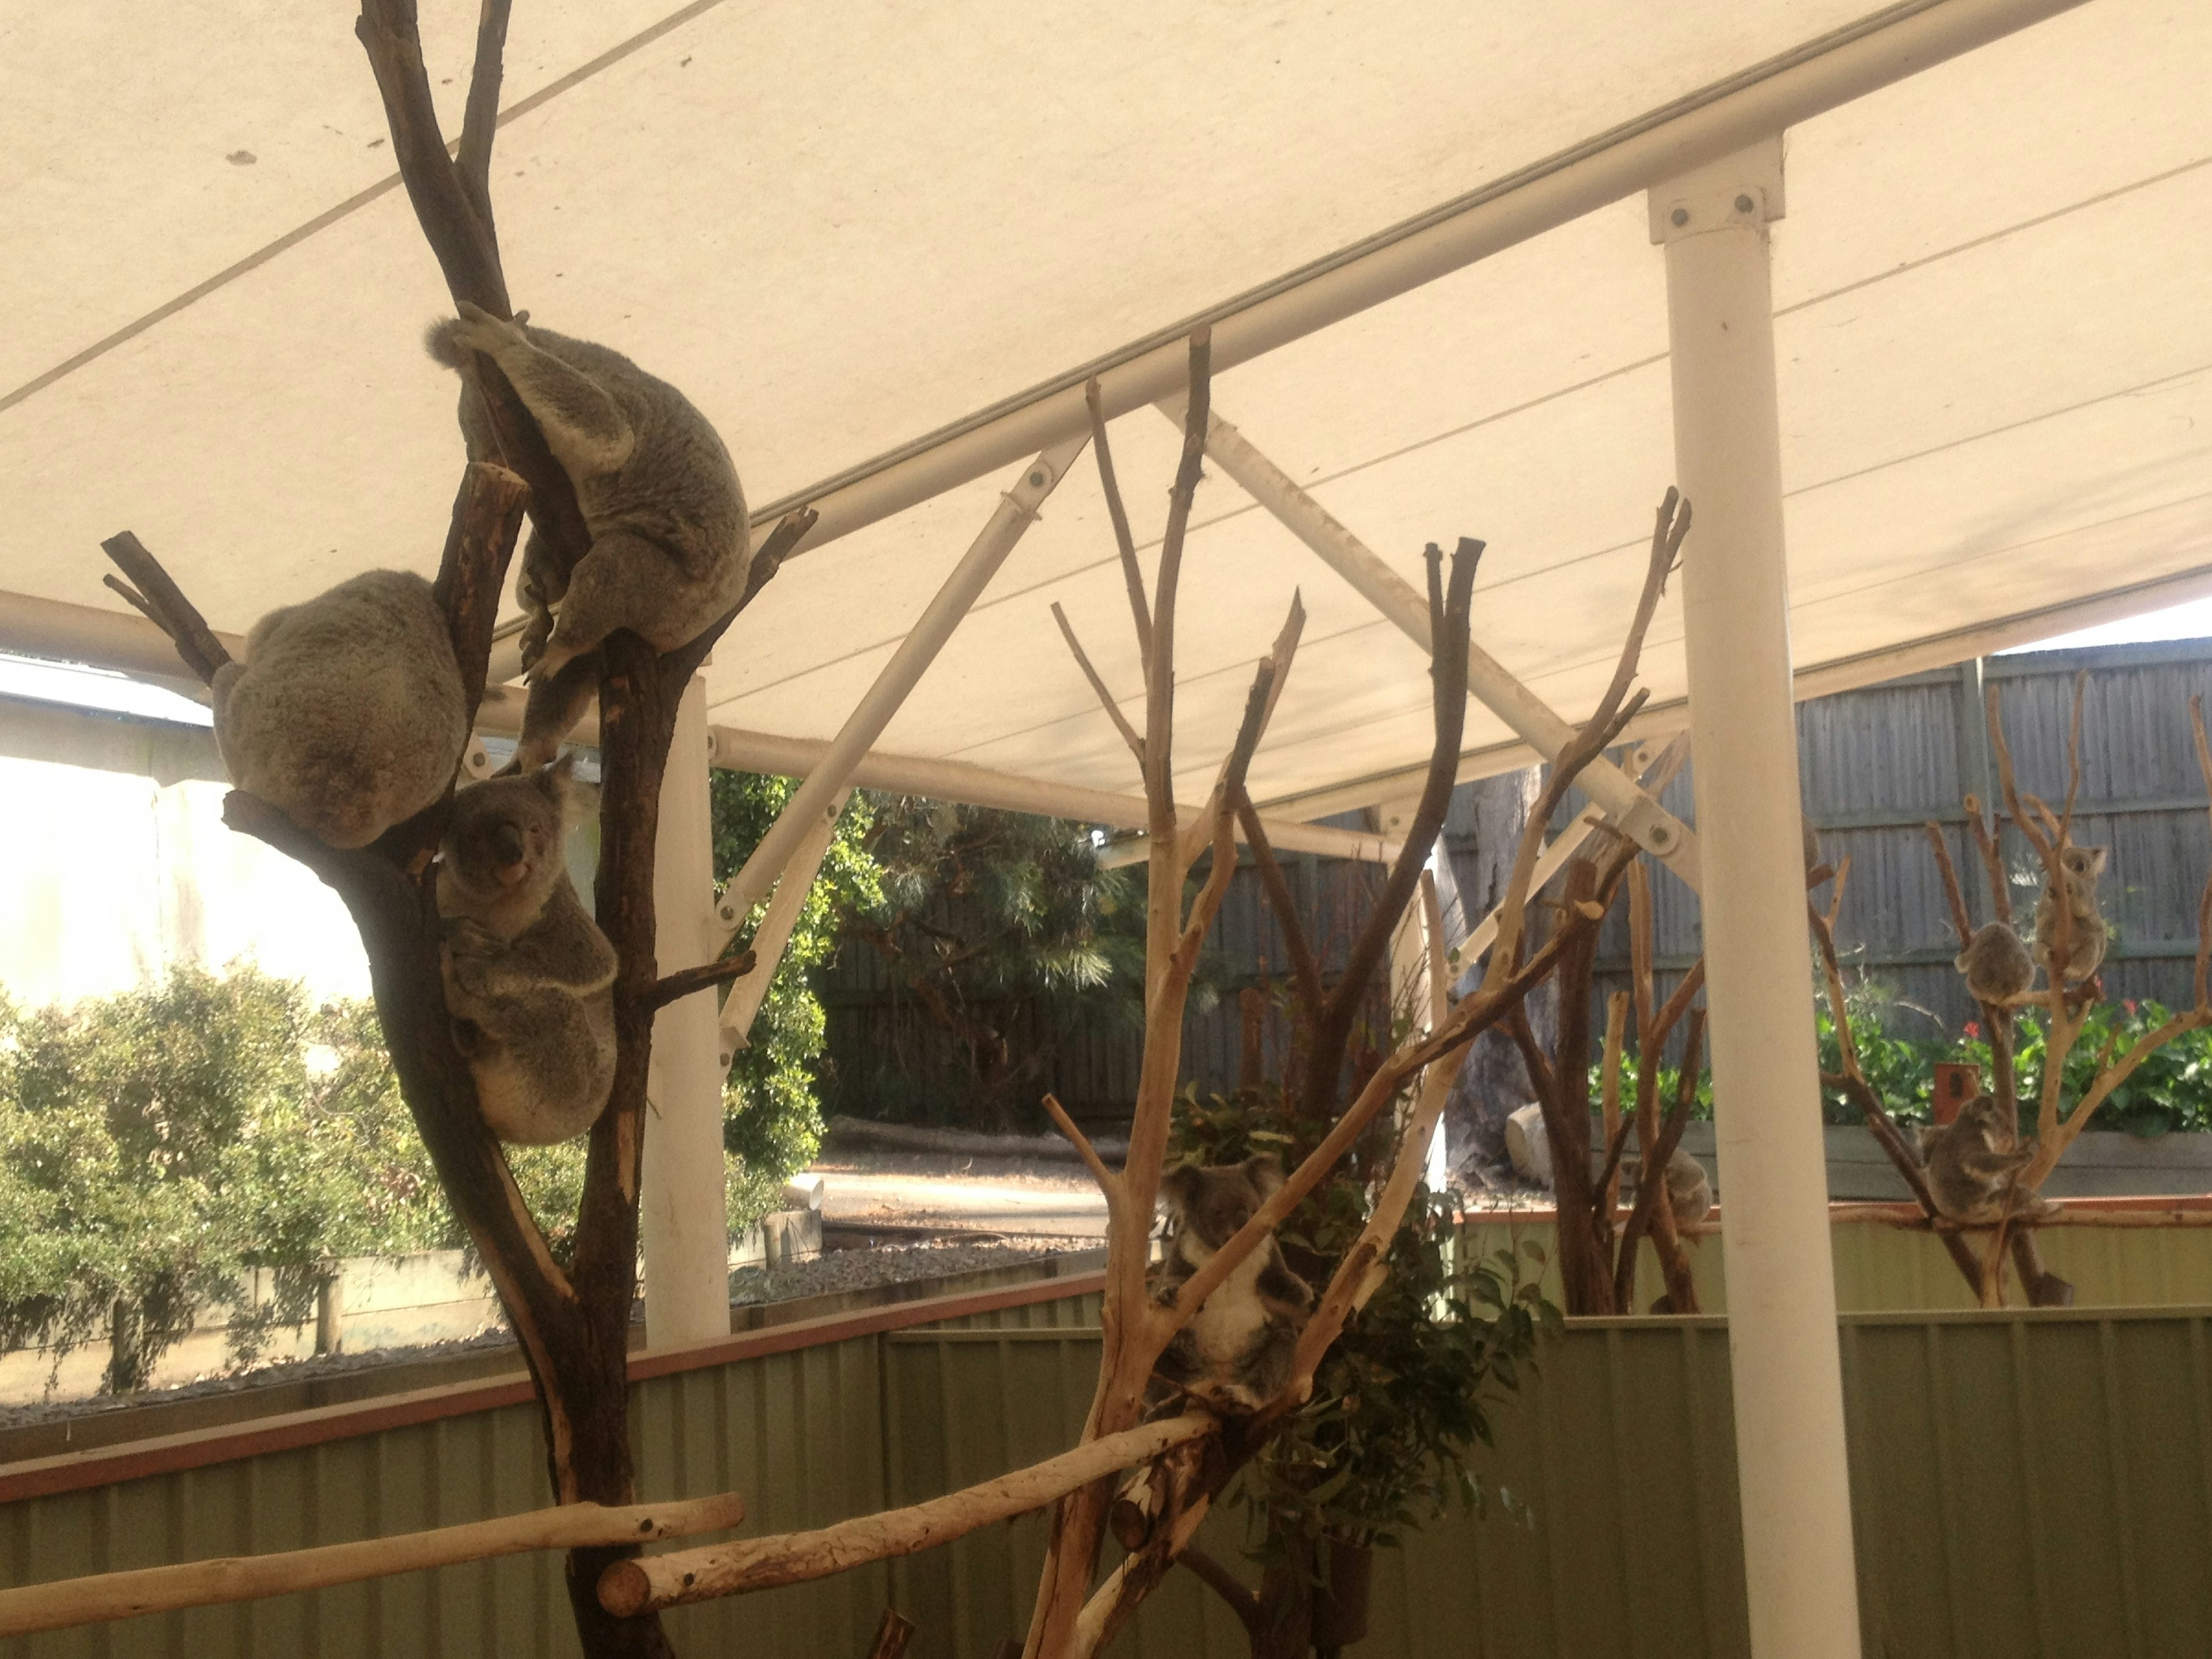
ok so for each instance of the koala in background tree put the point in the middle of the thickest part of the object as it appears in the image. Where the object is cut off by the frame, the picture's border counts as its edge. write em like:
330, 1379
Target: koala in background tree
1689, 1190
671, 544
1996, 963
529, 977
1971, 1161
1235, 1353
347, 714
2085, 945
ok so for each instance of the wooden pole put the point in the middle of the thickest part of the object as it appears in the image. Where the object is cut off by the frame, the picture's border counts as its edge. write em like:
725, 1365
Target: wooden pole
71, 1601
655, 1582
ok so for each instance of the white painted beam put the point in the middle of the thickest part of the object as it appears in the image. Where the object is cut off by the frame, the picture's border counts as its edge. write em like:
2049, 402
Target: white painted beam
1658, 832
1792, 1476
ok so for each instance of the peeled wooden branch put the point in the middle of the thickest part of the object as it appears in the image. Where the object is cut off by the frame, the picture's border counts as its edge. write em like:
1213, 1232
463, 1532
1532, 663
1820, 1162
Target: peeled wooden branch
473, 574
1124, 543
894, 1635
655, 1582
1305, 971
1098, 686
72, 1601
1108, 1182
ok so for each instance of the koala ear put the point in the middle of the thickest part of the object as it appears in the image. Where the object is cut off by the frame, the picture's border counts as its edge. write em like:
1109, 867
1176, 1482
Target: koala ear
1265, 1172
576, 800
1182, 1186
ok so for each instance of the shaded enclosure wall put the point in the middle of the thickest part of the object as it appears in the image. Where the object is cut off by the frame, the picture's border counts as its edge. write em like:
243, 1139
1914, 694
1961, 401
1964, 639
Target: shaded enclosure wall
1876, 764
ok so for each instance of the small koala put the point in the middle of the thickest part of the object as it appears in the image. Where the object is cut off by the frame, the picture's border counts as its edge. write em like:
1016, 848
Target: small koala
670, 542
529, 977
1996, 963
1972, 1160
1689, 1190
1235, 1354
2087, 934
347, 714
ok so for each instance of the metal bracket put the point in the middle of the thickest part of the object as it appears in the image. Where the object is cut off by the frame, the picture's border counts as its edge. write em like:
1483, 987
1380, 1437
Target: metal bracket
1744, 188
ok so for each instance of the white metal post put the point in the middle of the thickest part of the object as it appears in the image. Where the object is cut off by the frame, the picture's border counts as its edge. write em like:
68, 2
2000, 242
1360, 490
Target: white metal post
686, 1223
773, 936
1792, 1473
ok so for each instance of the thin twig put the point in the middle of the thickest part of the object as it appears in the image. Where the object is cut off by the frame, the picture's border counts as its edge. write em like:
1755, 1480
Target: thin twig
163, 601
674, 987
1097, 684
1108, 1182
1126, 544
1962, 923
1305, 971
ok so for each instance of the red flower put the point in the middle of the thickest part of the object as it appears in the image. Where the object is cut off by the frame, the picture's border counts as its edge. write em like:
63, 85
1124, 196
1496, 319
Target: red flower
1974, 1029
2129, 1005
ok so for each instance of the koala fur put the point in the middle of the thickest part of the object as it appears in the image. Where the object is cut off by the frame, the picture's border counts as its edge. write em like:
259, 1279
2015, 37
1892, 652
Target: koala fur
670, 542
347, 714
1689, 1190
529, 977
1235, 1354
2088, 935
1971, 1161
1996, 963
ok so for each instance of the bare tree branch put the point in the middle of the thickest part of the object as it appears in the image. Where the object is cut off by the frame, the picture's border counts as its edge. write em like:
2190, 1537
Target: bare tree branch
1097, 684
1132, 577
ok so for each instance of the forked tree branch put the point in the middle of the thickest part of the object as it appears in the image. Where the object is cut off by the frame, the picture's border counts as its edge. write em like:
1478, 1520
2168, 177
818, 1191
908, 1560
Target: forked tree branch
1124, 543
1098, 685
684, 981
1305, 971
480, 119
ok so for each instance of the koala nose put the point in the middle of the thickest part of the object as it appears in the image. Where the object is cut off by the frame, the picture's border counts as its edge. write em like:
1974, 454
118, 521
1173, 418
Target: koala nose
507, 844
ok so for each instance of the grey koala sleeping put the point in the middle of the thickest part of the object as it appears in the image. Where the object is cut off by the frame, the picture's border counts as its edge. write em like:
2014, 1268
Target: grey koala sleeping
1689, 1190
671, 544
1996, 963
1971, 1162
347, 714
529, 977
1235, 1354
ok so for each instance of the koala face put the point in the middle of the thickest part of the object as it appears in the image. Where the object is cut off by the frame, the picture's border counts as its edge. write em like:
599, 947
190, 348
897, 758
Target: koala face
2083, 863
1214, 1202
501, 851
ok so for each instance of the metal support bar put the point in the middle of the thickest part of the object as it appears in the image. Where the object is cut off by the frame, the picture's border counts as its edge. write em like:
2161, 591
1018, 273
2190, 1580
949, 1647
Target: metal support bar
1017, 509
684, 1210
1658, 832
773, 937
1793, 1475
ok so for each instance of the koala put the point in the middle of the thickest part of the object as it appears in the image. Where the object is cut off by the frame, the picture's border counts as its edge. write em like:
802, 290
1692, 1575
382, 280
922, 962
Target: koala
529, 977
1235, 1354
2087, 934
1689, 1190
1972, 1161
670, 542
1996, 963
347, 714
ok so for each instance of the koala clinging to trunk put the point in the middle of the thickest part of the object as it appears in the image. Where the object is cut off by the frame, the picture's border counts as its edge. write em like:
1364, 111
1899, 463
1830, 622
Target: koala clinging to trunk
1972, 1162
2087, 934
671, 545
529, 977
347, 714
1235, 1354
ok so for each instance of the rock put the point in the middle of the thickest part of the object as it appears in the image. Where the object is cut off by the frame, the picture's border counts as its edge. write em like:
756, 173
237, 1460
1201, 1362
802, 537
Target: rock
1528, 1146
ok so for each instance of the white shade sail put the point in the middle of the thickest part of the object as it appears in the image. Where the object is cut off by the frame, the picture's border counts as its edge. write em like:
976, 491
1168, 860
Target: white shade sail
841, 229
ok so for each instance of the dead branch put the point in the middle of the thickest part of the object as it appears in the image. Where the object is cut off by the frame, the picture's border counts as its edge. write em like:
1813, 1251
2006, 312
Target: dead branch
480, 119
767, 558
893, 1637
671, 988
1108, 1182
1243, 1601
165, 604
1098, 685
1124, 543
644, 1584
1962, 921
1616, 1027
1331, 1034
97, 1599
1160, 678
1305, 971
1653, 1213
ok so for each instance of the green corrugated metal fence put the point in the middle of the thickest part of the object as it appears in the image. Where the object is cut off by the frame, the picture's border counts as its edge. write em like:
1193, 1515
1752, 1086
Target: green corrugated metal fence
2034, 1483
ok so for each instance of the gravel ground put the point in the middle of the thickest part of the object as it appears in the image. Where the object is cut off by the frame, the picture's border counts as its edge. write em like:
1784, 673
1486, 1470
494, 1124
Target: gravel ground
851, 1270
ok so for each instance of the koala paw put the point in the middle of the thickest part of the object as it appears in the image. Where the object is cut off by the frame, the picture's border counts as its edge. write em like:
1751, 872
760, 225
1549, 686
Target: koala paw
469, 940
482, 332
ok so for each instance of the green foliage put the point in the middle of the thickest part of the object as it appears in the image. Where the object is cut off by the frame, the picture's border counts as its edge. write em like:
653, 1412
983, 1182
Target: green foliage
772, 1122
1404, 1397
980, 915
157, 1143
2170, 1092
